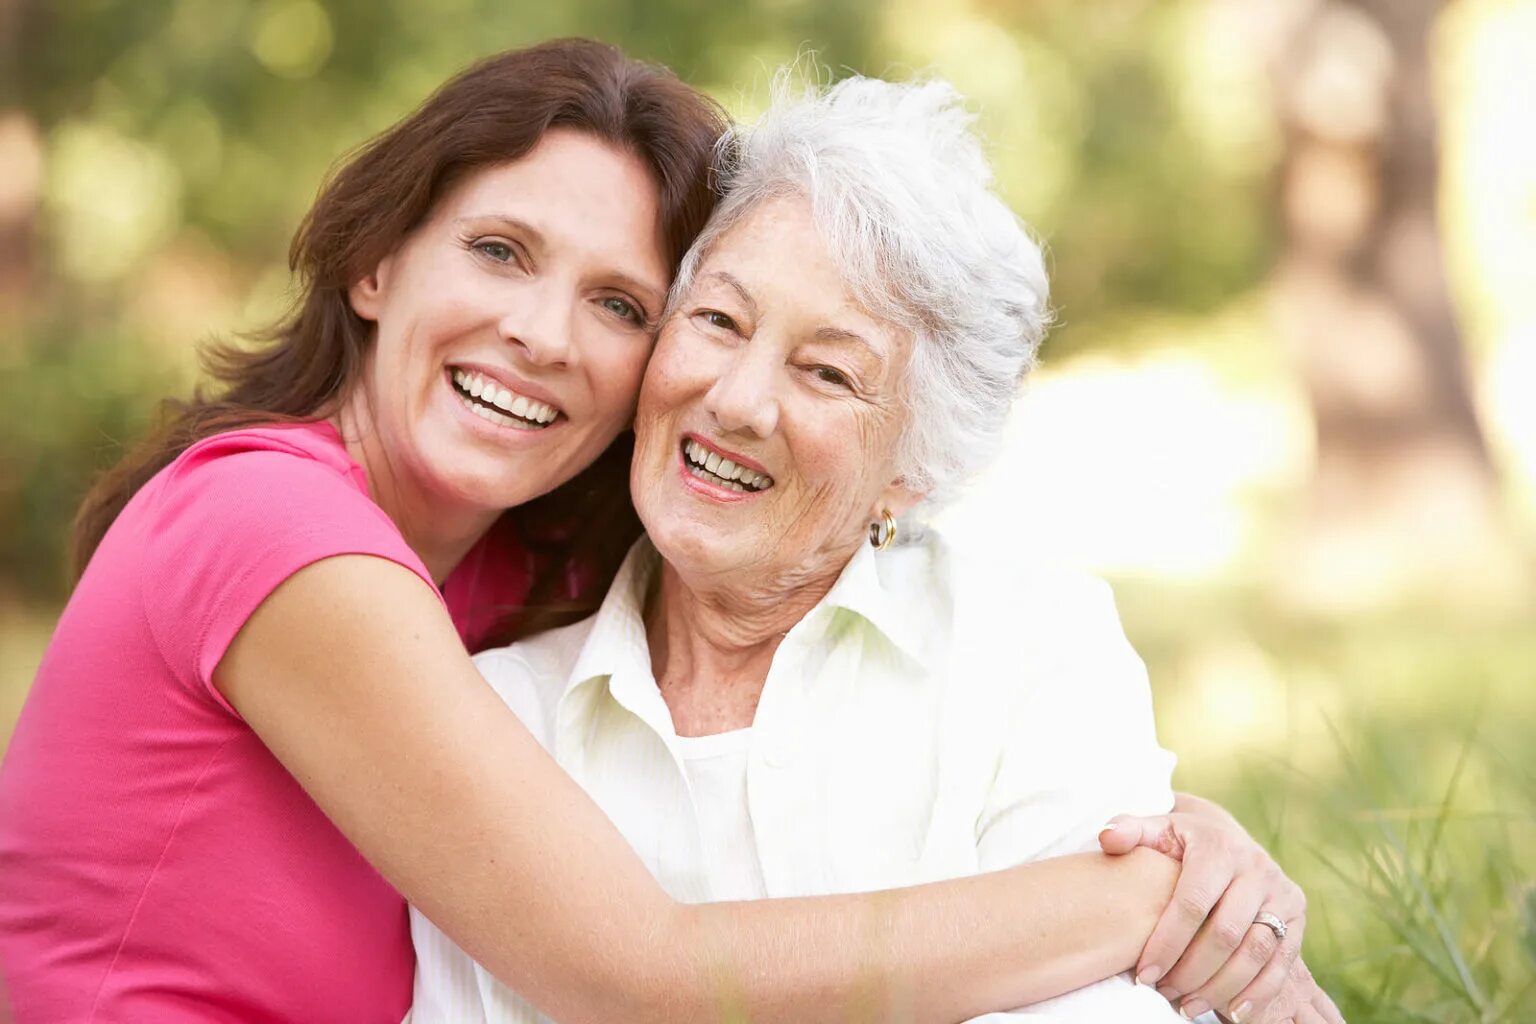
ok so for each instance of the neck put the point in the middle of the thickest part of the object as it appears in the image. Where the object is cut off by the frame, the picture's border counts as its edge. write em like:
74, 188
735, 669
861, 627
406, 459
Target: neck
440, 533
712, 645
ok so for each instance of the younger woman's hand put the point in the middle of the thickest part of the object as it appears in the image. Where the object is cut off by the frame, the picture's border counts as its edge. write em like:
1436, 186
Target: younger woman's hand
1208, 951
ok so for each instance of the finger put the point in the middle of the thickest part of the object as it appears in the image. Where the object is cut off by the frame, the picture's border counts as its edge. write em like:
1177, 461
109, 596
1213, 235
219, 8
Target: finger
1284, 967
1306, 1014
1325, 1008
1272, 1008
1258, 949
1203, 880
1250, 997
1280, 1010
1228, 944
1125, 832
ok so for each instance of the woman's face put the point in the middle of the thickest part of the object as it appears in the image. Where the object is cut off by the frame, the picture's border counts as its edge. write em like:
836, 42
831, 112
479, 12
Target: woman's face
513, 326
770, 364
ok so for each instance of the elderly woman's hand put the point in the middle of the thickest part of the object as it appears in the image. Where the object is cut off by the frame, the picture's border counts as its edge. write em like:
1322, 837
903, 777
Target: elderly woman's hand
1208, 951
1298, 1001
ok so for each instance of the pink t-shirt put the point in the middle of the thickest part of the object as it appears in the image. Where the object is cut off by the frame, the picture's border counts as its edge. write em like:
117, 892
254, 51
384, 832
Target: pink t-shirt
157, 863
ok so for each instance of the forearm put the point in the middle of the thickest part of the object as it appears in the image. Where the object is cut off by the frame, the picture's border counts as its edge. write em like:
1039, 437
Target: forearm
937, 952
376, 712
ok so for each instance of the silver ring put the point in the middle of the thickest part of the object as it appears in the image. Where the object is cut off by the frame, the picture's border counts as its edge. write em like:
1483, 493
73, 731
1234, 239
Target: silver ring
1273, 923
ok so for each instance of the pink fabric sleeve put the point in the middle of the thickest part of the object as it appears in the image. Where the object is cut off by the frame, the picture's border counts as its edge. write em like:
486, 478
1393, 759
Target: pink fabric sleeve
228, 527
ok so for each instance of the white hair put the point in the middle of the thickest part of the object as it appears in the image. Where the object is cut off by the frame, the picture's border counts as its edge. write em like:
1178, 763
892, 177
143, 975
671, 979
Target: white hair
900, 190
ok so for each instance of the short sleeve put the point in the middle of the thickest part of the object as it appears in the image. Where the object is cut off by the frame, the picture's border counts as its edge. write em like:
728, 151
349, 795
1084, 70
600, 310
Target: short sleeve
225, 528
490, 584
1080, 745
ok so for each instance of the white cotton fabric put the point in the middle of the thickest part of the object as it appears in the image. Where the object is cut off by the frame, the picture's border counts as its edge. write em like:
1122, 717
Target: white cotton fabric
935, 715
716, 769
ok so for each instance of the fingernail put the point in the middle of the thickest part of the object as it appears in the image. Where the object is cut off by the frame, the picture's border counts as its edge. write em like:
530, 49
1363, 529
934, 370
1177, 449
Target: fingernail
1189, 1009
1149, 975
1109, 828
1238, 1014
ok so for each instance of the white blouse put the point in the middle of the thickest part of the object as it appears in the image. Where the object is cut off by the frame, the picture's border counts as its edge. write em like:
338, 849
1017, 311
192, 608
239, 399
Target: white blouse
937, 714
716, 770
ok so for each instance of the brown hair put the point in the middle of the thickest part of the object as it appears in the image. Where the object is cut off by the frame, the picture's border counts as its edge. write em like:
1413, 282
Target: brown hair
495, 111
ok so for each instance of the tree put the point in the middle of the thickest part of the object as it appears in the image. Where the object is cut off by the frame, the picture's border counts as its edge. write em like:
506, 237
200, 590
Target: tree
1403, 490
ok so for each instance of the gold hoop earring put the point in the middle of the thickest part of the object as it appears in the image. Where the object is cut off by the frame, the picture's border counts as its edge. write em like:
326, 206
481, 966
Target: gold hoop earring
883, 534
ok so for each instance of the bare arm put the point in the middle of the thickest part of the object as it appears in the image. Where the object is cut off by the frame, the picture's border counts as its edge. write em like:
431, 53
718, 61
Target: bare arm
352, 674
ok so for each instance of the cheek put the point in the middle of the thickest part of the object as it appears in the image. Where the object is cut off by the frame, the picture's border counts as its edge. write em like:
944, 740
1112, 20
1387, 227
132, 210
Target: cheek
414, 336
844, 462
666, 381
616, 379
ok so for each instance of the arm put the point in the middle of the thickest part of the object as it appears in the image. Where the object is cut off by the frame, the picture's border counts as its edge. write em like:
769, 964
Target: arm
351, 673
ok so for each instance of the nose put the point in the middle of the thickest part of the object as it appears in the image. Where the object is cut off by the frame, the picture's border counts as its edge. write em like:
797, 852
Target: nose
743, 398
541, 324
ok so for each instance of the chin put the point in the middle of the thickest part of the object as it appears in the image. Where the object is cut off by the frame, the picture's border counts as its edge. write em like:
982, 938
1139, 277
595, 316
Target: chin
471, 480
695, 547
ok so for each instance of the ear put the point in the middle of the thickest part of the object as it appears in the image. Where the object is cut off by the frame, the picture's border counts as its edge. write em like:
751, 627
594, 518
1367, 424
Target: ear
897, 498
367, 293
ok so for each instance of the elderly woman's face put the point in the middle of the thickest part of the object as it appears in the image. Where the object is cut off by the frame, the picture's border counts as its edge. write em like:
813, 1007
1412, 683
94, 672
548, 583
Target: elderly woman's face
770, 412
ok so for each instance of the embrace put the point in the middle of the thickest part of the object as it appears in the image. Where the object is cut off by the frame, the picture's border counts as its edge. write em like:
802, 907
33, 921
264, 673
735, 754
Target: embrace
649, 412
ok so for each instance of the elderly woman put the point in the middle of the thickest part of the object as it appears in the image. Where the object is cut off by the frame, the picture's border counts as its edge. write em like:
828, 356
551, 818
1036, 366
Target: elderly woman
792, 688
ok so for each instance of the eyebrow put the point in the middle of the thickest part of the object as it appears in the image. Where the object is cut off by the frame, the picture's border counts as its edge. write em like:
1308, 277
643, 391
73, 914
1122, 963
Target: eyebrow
842, 334
741, 289
834, 334
534, 234
651, 294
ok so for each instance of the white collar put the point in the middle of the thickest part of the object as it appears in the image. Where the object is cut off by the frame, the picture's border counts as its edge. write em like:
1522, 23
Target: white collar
616, 646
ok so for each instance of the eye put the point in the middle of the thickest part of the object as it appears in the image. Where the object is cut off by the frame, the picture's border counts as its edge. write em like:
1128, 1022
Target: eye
831, 376
623, 309
501, 252
715, 318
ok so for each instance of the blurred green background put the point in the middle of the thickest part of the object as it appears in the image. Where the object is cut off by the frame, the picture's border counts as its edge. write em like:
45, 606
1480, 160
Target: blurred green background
1288, 408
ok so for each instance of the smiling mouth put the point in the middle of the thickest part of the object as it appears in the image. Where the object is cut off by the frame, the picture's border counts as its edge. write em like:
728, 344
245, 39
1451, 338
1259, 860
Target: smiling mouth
490, 401
711, 467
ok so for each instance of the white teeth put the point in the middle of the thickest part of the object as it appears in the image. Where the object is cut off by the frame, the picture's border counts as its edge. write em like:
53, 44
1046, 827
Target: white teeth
724, 471
486, 413
474, 385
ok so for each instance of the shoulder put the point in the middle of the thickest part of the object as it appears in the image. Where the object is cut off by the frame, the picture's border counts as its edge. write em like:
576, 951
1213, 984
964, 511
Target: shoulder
1035, 628
238, 514
1026, 603
264, 483
308, 451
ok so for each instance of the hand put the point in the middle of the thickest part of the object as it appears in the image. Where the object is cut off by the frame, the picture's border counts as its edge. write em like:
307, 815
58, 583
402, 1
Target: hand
1299, 1001
1206, 951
